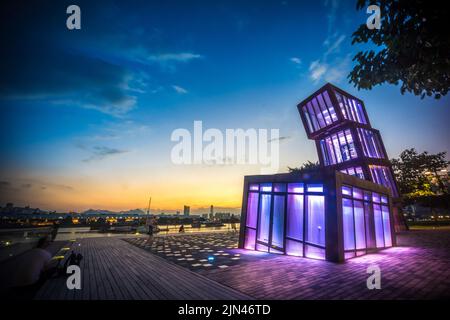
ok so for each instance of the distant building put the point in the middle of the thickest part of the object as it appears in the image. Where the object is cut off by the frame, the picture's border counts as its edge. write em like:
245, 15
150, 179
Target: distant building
222, 215
205, 215
211, 212
187, 211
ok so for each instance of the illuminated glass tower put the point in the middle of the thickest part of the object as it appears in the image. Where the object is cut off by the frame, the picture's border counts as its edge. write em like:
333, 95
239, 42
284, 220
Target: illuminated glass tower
345, 139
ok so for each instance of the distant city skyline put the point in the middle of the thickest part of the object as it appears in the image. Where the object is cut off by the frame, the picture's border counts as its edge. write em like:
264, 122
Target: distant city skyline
87, 115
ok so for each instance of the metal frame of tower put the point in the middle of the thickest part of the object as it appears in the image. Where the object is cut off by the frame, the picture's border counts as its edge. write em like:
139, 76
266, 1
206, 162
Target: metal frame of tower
341, 123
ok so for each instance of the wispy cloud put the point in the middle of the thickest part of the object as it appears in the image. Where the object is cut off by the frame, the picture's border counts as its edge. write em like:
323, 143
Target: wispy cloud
296, 60
179, 89
174, 57
317, 70
102, 152
334, 44
279, 139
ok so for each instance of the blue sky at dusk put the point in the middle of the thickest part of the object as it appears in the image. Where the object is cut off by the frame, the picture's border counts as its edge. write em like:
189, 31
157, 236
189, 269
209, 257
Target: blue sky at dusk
87, 115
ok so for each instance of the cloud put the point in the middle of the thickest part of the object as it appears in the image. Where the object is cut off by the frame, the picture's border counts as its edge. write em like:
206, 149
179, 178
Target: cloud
63, 78
174, 57
335, 72
179, 89
334, 44
102, 152
296, 60
317, 70
279, 139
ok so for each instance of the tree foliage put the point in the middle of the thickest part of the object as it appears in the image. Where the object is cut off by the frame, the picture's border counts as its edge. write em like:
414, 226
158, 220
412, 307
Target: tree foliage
308, 165
414, 48
418, 174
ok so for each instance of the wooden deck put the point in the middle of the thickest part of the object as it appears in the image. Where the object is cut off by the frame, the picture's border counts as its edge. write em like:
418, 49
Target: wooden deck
114, 269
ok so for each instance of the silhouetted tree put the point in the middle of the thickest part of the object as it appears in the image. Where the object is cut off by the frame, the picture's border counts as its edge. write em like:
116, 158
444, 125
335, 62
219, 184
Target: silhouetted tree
414, 48
308, 165
417, 173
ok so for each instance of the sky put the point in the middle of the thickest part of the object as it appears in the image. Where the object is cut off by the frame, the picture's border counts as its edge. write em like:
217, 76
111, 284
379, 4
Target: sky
87, 115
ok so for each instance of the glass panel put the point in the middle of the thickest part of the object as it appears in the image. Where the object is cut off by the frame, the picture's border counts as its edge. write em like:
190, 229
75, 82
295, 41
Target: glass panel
370, 235
278, 222
314, 253
266, 187
359, 173
330, 150
324, 109
349, 255
250, 239
294, 248
279, 187
315, 220
264, 218
261, 247
367, 195
330, 106
357, 193
375, 197
308, 119
295, 187
359, 225
326, 157
348, 226
384, 199
315, 187
252, 209
319, 115
254, 187
272, 250
337, 148
346, 190
386, 226
378, 226
313, 117
294, 227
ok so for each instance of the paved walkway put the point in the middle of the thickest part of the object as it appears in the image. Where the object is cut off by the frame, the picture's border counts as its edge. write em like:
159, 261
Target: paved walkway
115, 269
419, 268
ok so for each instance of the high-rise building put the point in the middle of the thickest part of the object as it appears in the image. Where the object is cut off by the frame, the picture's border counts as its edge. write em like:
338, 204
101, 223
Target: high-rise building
211, 212
186, 211
345, 140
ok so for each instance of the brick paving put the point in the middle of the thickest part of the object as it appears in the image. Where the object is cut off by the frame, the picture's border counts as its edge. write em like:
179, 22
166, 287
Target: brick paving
418, 268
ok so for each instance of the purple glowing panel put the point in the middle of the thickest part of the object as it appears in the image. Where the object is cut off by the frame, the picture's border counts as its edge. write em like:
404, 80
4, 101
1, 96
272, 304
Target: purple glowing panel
252, 209
347, 191
357, 193
367, 195
279, 187
315, 187
295, 187
261, 247
349, 255
266, 187
294, 222
386, 226
315, 220
250, 239
314, 252
264, 218
278, 221
378, 220
348, 226
384, 199
294, 248
370, 233
376, 197
360, 231
254, 187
